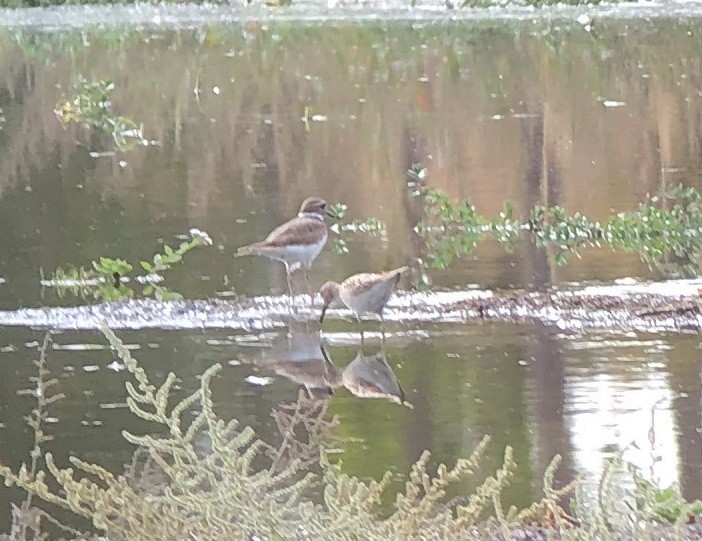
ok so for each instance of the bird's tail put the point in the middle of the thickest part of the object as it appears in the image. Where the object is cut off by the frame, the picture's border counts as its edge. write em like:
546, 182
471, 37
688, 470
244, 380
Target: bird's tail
398, 272
249, 249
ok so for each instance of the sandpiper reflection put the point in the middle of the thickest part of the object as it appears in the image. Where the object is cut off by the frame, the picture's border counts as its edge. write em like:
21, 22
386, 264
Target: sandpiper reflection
297, 355
300, 356
370, 376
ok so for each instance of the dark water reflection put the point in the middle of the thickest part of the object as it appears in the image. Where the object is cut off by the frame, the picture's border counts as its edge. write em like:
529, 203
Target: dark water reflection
539, 113
494, 111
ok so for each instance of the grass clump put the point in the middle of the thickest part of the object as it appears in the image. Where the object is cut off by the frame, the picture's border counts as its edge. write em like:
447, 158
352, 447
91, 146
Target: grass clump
210, 479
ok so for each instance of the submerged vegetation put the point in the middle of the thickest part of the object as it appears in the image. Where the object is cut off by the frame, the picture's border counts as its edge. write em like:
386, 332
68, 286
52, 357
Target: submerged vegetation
665, 231
107, 278
370, 226
208, 478
91, 107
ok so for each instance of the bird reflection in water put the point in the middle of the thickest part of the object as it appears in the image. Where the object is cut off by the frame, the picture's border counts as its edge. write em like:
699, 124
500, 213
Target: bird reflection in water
370, 376
297, 356
300, 356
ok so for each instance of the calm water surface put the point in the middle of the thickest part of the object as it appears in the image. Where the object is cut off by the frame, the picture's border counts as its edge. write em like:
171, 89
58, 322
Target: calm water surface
538, 113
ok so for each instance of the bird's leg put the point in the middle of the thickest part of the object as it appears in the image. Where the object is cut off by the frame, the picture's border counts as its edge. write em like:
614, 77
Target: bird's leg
288, 276
290, 285
360, 327
382, 330
309, 289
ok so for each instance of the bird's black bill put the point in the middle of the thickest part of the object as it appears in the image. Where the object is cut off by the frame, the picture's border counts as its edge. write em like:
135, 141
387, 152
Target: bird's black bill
330, 213
324, 311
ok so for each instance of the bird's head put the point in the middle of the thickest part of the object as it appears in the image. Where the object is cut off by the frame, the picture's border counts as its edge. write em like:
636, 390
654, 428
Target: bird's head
330, 294
314, 205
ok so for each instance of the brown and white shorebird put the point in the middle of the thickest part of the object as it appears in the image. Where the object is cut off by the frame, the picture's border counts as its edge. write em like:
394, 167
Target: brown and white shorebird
362, 293
297, 242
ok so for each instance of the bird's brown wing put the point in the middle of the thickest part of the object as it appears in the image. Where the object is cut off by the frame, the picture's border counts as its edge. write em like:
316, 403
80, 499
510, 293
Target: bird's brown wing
301, 230
359, 283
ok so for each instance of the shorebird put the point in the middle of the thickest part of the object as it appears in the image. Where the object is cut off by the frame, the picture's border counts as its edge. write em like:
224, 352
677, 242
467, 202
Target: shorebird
362, 293
297, 242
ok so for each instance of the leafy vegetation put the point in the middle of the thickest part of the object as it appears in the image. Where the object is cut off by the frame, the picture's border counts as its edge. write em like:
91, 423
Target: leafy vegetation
91, 107
237, 486
370, 226
664, 505
26, 518
105, 279
665, 230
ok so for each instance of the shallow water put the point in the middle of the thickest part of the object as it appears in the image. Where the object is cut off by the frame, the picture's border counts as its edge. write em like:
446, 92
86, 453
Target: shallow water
536, 112
585, 397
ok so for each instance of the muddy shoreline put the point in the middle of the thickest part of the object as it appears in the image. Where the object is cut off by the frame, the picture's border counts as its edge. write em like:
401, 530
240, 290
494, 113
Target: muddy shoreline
672, 306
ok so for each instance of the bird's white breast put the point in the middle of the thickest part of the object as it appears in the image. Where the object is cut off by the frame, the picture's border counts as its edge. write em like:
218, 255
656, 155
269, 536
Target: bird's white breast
304, 254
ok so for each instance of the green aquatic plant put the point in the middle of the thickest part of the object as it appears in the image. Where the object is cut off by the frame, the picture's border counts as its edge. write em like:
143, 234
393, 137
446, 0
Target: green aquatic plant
665, 505
90, 106
169, 257
417, 172
342, 229
665, 230
98, 282
107, 279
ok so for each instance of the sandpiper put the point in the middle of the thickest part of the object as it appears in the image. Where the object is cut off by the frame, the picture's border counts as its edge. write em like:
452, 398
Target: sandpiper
297, 242
371, 377
361, 293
